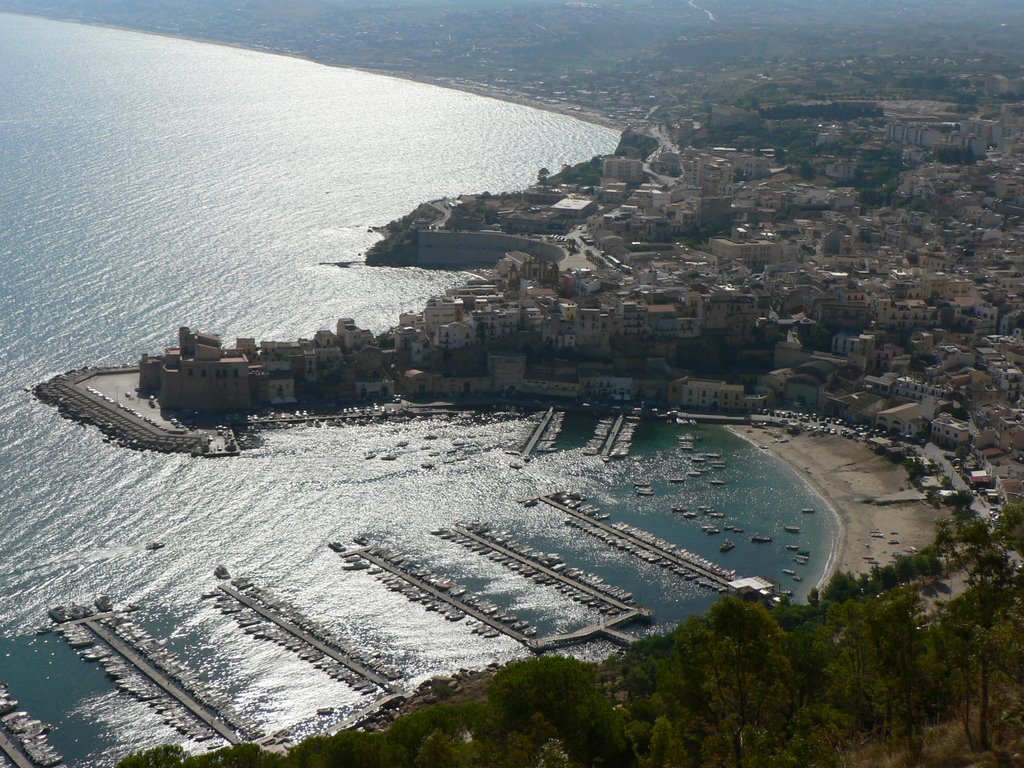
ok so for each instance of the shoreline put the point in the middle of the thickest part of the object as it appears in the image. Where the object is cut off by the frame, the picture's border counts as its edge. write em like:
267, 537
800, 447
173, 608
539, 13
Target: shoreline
482, 90
859, 488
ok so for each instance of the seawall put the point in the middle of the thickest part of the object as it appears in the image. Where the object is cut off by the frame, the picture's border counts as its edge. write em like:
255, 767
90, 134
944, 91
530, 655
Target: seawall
477, 249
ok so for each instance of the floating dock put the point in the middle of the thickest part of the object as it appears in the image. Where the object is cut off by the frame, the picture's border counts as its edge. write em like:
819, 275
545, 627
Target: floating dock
207, 715
574, 583
437, 590
319, 642
646, 545
543, 436
10, 750
144, 668
23, 741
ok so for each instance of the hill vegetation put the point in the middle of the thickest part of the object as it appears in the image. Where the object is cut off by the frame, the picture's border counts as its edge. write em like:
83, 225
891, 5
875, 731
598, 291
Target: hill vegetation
870, 671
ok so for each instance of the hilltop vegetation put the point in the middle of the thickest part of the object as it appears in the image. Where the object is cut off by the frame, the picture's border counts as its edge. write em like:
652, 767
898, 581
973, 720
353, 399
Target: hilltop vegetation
865, 672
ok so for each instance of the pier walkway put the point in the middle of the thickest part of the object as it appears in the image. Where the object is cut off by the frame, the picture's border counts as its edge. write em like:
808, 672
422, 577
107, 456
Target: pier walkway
623, 607
201, 712
11, 751
443, 596
613, 436
300, 634
538, 433
673, 558
606, 628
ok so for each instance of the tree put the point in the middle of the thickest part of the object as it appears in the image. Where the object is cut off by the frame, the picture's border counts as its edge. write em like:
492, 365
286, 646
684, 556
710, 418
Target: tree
166, 756
560, 692
737, 676
542, 177
982, 553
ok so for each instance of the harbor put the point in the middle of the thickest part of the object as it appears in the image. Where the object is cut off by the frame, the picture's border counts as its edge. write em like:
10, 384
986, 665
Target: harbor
515, 572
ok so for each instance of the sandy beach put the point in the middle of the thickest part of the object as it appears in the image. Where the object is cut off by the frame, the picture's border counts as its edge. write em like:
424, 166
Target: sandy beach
858, 484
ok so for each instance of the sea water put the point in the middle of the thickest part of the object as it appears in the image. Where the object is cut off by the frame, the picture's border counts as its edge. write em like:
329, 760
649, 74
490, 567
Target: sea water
152, 182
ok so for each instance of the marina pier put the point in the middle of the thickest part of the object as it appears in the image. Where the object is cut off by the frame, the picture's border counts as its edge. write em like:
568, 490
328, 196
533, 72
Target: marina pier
206, 715
9, 751
440, 591
315, 638
546, 430
612, 437
146, 669
646, 546
374, 555
533, 568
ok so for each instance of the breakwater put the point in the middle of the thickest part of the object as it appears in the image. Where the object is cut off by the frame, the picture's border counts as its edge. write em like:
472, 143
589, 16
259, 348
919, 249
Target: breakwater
78, 396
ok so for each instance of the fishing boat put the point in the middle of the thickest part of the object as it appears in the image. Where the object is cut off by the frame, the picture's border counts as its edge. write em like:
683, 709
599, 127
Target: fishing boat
726, 546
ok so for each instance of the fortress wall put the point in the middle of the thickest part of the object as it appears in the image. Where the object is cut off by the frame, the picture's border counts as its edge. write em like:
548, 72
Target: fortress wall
477, 249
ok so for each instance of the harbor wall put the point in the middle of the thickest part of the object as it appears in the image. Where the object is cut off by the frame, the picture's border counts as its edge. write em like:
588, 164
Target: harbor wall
477, 249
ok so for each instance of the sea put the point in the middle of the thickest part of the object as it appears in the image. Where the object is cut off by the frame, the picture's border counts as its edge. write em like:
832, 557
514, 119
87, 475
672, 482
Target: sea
151, 182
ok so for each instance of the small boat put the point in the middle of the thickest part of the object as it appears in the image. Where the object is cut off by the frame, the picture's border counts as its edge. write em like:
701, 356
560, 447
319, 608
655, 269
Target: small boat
791, 528
677, 480
337, 546
716, 481
679, 508
153, 546
789, 571
530, 503
325, 711
759, 539
726, 546
793, 547
647, 491
221, 572
797, 578
807, 511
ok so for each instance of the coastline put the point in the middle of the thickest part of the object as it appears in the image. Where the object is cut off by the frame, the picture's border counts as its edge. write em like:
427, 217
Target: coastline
854, 482
466, 86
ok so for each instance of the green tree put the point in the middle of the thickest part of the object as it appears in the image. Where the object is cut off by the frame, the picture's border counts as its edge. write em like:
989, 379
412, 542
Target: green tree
666, 749
737, 656
980, 551
166, 756
560, 692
